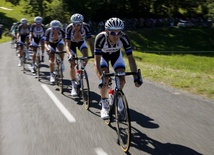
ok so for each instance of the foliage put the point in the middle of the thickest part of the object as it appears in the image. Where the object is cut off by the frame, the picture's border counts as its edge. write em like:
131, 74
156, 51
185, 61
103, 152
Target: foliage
97, 10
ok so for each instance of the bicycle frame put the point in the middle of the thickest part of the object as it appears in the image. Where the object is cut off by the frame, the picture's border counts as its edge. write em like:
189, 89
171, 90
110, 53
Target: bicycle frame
24, 54
59, 72
122, 117
82, 81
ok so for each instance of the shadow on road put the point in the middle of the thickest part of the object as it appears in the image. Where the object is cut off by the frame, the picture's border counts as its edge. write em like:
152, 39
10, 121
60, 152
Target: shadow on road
154, 147
142, 120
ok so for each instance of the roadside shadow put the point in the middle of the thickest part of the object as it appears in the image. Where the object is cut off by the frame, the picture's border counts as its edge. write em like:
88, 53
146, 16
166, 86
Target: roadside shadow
142, 120
151, 146
94, 104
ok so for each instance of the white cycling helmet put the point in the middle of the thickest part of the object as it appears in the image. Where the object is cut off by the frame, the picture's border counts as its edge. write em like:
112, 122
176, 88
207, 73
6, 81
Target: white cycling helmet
77, 18
38, 19
55, 24
23, 21
114, 24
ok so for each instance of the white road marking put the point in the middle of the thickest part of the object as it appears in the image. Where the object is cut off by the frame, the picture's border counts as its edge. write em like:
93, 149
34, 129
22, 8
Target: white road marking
64, 111
99, 151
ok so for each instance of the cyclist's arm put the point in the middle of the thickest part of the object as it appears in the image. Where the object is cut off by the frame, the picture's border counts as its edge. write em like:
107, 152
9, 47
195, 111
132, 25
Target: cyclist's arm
97, 67
67, 47
132, 63
90, 42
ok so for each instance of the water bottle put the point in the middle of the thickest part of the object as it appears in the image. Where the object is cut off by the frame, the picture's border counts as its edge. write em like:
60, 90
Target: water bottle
78, 78
110, 96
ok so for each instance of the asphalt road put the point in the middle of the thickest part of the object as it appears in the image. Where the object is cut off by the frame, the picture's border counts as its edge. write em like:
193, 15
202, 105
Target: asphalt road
35, 119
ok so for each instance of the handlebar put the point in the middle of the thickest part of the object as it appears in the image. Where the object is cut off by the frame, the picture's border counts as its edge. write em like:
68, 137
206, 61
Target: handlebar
82, 58
118, 74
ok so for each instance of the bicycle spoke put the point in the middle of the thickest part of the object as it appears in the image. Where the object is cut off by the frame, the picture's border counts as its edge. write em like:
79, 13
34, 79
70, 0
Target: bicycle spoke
123, 123
61, 79
85, 90
38, 66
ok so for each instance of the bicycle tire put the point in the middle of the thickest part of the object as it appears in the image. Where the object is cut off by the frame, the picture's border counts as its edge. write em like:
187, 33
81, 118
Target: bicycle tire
61, 78
38, 65
123, 123
23, 61
85, 89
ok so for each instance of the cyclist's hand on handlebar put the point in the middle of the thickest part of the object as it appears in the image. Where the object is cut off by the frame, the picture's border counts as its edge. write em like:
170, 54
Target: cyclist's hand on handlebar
102, 82
70, 58
138, 81
48, 52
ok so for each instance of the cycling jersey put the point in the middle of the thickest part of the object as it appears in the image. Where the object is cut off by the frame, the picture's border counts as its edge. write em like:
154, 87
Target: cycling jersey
24, 29
102, 45
49, 36
37, 32
84, 32
112, 52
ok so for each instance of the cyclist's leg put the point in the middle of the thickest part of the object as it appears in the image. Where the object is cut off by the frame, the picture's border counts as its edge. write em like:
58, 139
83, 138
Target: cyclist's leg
60, 47
20, 48
34, 45
84, 50
104, 90
52, 47
42, 43
118, 65
73, 69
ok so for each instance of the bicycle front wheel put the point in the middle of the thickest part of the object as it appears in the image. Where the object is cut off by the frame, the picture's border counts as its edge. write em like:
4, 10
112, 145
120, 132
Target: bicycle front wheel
38, 65
61, 79
24, 61
123, 121
85, 89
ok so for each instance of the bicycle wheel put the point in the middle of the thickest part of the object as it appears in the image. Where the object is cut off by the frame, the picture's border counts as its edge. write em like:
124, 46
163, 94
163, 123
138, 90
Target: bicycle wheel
38, 65
61, 78
24, 61
123, 121
85, 89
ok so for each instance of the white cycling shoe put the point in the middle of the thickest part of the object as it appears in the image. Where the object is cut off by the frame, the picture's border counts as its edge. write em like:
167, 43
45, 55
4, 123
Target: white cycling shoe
104, 113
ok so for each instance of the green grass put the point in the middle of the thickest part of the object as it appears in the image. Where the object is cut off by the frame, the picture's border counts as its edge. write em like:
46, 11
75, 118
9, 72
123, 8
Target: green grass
182, 58
14, 15
173, 39
187, 72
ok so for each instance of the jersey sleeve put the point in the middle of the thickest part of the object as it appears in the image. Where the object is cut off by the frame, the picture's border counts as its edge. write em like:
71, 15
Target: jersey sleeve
68, 32
87, 30
47, 34
63, 33
32, 27
126, 44
99, 43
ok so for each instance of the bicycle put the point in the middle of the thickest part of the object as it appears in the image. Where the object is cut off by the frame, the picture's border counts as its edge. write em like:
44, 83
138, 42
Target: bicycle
59, 70
38, 60
120, 108
82, 82
25, 51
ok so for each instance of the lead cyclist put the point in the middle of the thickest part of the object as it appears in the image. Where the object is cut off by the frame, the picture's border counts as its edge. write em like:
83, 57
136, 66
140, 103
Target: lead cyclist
108, 46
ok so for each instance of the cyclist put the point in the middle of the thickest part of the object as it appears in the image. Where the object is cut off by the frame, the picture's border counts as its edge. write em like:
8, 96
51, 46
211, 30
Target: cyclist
108, 46
54, 39
77, 32
13, 32
22, 38
37, 33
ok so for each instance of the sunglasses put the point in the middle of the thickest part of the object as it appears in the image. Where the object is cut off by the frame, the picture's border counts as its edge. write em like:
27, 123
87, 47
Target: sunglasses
115, 33
77, 24
55, 28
